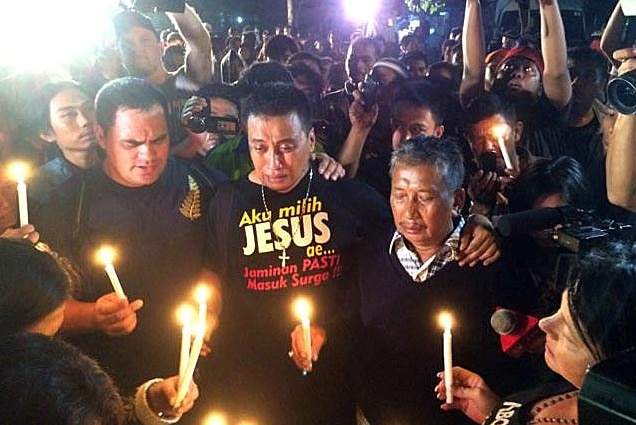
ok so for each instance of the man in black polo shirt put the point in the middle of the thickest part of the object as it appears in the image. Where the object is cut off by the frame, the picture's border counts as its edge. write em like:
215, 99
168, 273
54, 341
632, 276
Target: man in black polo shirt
152, 209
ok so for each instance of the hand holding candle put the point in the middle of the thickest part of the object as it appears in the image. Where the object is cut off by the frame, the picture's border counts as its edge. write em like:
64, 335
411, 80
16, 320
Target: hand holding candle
18, 171
446, 321
499, 131
303, 310
106, 256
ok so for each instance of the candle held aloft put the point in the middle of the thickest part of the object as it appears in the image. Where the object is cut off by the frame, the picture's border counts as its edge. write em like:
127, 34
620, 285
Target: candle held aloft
106, 256
446, 321
499, 132
18, 171
303, 309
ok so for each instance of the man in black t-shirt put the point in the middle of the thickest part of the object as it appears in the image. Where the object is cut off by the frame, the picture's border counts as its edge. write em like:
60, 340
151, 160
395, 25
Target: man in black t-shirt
152, 209
281, 233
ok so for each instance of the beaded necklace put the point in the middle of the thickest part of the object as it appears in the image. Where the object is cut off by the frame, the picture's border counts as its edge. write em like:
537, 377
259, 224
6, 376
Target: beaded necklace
536, 410
278, 240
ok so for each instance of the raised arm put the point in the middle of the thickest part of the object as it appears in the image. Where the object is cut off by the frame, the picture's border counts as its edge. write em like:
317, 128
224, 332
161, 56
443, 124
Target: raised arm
556, 78
473, 48
198, 61
612, 36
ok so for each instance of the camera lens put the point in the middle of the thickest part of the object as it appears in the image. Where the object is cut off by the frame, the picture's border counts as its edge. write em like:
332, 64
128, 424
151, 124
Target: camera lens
621, 93
197, 124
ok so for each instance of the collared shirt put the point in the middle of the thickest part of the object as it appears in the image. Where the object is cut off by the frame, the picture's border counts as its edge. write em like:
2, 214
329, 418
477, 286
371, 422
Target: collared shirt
421, 270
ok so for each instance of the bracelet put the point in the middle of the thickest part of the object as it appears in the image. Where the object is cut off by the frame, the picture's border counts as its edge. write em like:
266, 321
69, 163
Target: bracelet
144, 412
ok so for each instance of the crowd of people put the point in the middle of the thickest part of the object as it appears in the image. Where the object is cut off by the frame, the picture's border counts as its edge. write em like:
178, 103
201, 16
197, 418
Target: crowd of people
364, 180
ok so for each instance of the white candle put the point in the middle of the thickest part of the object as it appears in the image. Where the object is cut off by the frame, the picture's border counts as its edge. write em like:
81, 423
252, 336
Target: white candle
184, 384
185, 315
106, 255
446, 321
302, 309
499, 133
202, 294
19, 171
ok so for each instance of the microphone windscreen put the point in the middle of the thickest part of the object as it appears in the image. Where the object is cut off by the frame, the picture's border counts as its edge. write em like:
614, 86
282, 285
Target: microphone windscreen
525, 222
504, 321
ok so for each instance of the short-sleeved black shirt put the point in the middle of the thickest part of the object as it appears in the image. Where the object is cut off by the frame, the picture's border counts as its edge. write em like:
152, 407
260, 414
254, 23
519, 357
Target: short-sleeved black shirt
159, 232
254, 334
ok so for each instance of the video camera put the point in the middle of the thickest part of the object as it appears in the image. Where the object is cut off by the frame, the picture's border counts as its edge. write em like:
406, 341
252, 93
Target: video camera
580, 229
203, 121
621, 91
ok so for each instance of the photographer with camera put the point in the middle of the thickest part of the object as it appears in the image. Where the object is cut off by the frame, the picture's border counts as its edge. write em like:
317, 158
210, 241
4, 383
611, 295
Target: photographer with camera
141, 51
618, 45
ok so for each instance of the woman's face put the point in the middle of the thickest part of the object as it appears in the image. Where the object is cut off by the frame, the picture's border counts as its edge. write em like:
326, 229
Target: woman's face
565, 351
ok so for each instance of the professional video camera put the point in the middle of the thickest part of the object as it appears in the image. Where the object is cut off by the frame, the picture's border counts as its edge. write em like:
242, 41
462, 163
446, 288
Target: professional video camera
621, 91
203, 121
580, 229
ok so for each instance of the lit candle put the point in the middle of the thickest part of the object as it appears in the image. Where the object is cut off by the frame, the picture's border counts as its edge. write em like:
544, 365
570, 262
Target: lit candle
303, 308
18, 171
446, 321
201, 294
185, 315
106, 256
215, 418
499, 132
184, 384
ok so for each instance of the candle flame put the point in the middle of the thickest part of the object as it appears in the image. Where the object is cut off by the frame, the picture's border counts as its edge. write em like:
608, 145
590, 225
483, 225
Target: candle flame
185, 314
215, 418
106, 255
499, 130
302, 308
18, 171
445, 320
202, 293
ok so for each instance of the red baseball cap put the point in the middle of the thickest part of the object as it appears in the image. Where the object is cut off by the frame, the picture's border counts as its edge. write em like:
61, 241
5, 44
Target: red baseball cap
530, 53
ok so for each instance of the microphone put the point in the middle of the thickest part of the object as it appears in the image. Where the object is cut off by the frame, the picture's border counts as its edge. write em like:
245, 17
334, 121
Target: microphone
519, 333
524, 222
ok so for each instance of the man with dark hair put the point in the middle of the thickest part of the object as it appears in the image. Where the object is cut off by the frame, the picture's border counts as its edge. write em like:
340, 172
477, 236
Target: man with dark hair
141, 51
279, 48
589, 73
64, 117
281, 232
416, 64
152, 208
493, 131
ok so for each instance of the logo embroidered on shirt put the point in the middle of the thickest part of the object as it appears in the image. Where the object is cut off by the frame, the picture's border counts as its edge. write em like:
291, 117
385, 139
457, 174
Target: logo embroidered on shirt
191, 205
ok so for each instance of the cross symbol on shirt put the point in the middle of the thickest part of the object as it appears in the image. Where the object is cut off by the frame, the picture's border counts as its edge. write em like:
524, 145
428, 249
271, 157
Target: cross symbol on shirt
283, 258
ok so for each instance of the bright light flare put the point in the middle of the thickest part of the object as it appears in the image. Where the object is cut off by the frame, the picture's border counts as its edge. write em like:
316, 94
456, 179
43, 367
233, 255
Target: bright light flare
361, 11
499, 131
185, 314
106, 255
215, 418
202, 293
302, 308
18, 171
445, 320
43, 34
